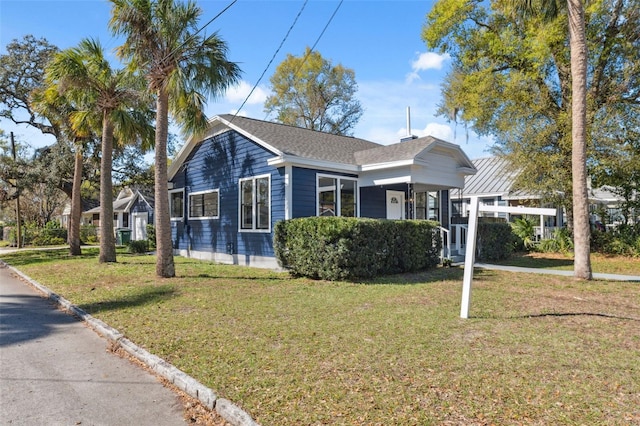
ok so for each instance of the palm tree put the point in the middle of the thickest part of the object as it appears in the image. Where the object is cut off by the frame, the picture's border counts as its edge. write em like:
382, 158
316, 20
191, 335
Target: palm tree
50, 102
104, 98
182, 68
578, 48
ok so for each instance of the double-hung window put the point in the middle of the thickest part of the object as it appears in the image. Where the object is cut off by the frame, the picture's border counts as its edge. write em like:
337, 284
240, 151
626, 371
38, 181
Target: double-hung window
255, 204
176, 204
204, 205
337, 196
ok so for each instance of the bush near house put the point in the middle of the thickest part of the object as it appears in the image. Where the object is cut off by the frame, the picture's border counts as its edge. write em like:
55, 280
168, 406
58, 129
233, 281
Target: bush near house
335, 248
139, 246
495, 240
52, 234
89, 234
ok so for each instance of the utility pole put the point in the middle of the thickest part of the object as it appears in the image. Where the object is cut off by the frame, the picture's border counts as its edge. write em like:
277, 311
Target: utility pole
18, 219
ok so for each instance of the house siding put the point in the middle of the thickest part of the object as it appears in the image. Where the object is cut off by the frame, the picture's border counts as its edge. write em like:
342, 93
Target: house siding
373, 202
140, 206
219, 163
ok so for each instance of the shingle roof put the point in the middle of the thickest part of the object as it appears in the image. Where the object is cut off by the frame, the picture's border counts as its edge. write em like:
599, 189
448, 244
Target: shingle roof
397, 152
303, 142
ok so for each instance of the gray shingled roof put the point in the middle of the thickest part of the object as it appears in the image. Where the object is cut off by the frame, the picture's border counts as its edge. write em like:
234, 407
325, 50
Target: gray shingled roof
493, 177
397, 152
303, 142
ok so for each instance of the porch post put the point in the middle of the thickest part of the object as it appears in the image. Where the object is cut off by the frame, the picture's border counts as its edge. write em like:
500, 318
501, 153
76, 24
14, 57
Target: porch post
288, 191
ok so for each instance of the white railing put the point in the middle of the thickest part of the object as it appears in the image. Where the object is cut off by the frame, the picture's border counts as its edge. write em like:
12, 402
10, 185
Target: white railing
459, 237
445, 252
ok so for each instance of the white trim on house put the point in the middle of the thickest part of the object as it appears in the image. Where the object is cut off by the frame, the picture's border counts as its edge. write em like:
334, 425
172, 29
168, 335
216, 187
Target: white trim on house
338, 200
288, 192
175, 218
254, 213
265, 262
209, 191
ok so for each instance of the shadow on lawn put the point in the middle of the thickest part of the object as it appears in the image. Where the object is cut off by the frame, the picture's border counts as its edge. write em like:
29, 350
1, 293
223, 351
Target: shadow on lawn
145, 296
29, 257
525, 261
557, 314
434, 275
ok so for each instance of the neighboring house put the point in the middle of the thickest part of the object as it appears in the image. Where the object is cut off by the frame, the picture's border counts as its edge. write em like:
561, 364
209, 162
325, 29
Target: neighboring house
493, 184
231, 185
65, 217
132, 210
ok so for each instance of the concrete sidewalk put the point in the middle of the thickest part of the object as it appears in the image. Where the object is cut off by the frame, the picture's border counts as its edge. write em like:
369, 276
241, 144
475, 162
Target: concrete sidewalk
598, 276
56, 371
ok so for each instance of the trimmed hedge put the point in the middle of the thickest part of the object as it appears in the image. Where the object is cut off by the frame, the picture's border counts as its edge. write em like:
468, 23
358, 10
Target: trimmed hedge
495, 241
338, 248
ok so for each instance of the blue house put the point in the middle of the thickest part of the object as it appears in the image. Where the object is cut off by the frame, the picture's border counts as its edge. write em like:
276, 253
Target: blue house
230, 185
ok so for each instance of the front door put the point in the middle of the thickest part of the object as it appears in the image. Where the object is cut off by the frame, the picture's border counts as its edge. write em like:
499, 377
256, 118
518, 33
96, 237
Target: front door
140, 226
395, 205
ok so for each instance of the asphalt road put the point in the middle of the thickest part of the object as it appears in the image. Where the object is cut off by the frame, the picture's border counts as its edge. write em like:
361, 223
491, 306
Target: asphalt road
56, 371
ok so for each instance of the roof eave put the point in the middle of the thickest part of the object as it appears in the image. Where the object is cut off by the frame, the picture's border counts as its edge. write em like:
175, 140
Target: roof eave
308, 163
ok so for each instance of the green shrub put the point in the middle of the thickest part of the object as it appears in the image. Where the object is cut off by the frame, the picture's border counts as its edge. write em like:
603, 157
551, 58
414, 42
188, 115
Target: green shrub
51, 234
151, 235
88, 234
495, 241
560, 242
524, 229
337, 248
623, 241
138, 246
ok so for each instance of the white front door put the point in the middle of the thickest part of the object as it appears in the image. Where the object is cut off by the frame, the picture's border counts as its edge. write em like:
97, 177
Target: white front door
139, 226
395, 205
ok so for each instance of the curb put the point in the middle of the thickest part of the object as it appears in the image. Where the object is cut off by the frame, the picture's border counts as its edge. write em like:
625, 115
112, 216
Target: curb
225, 408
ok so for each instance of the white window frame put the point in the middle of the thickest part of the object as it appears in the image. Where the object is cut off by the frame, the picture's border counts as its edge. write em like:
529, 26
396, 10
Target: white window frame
210, 191
254, 212
175, 218
338, 200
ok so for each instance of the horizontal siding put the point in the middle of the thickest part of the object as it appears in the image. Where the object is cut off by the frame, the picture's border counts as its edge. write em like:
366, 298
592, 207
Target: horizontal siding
219, 163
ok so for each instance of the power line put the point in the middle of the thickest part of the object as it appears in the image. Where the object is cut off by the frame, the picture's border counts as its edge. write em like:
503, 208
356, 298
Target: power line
314, 44
271, 61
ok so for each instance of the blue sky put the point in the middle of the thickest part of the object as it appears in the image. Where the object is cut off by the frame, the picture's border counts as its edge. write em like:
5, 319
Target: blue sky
378, 39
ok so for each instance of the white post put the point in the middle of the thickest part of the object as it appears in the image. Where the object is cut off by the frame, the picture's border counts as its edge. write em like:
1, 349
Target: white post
541, 227
469, 259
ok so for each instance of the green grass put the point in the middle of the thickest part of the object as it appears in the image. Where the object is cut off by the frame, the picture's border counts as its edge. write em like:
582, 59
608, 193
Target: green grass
599, 262
538, 349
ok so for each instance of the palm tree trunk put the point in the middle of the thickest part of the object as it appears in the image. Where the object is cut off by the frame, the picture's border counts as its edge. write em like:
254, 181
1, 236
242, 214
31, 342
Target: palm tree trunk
76, 204
581, 233
165, 267
107, 238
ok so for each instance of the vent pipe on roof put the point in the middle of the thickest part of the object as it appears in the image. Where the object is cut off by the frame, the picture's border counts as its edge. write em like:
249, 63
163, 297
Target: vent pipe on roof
409, 135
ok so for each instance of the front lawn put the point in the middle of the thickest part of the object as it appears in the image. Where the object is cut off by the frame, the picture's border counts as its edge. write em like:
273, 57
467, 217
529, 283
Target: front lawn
538, 349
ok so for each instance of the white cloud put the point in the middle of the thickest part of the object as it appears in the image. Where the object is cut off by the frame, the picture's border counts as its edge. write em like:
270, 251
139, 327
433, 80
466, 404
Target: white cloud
426, 61
239, 93
440, 131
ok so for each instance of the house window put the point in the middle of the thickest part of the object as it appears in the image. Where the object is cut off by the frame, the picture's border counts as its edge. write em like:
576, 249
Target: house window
204, 205
176, 204
255, 204
125, 220
427, 205
337, 196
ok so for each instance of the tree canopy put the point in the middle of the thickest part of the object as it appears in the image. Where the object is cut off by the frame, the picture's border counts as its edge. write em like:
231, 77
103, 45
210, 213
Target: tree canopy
310, 92
511, 78
183, 69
